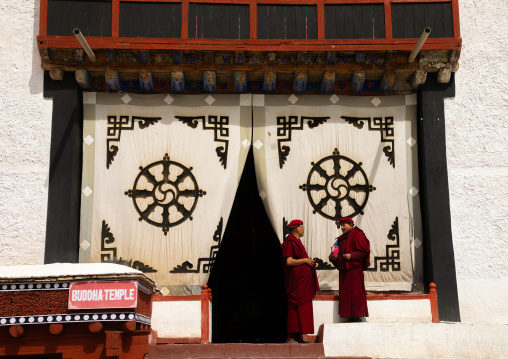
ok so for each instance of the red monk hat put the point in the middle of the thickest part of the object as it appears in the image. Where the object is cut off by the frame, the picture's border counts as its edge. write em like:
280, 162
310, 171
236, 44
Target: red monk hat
346, 220
295, 223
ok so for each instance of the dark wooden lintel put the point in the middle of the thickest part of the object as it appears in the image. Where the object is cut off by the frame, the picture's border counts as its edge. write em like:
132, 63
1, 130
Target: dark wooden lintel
136, 67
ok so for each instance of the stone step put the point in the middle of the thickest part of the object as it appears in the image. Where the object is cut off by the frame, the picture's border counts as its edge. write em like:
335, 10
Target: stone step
244, 351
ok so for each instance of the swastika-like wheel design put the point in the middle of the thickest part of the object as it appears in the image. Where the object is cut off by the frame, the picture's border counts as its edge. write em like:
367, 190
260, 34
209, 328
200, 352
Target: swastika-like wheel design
165, 193
337, 187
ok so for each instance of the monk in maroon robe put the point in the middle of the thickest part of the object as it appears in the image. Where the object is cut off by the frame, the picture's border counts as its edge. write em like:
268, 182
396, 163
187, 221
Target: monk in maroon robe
350, 255
301, 284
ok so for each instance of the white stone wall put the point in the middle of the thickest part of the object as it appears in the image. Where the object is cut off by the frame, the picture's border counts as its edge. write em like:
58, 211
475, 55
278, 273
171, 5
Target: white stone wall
477, 150
25, 134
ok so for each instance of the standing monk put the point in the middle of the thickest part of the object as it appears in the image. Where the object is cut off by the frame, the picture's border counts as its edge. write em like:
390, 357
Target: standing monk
301, 284
350, 255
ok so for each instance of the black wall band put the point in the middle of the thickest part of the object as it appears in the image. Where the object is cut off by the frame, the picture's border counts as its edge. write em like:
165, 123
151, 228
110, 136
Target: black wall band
64, 191
439, 259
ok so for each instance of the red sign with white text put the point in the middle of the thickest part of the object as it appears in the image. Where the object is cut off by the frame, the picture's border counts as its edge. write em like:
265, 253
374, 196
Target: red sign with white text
95, 295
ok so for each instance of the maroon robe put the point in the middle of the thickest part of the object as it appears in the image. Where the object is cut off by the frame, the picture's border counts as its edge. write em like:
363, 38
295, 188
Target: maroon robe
352, 295
301, 286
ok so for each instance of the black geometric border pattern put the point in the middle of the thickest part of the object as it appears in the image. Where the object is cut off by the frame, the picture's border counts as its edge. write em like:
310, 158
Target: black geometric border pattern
219, 126
108, 238
75, 318
117, 124
291, 123
186, 267
21, 287
386, 129
392, 255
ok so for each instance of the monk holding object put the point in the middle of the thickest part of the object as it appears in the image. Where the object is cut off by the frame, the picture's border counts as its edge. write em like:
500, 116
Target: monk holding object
301, 284
350, 255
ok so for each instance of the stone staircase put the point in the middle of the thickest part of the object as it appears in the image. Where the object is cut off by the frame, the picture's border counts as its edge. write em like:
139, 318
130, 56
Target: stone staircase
233, 351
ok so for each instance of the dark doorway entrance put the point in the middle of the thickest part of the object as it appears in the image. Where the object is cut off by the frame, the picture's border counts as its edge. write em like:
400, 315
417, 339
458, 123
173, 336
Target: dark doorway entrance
247, 280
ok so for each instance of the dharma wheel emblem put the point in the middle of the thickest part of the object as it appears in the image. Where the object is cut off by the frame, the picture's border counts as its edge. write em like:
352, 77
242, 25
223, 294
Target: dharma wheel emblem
165, 193
337, 187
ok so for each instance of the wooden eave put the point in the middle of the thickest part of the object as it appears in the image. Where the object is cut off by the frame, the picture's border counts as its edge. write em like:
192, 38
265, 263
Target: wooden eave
383, 62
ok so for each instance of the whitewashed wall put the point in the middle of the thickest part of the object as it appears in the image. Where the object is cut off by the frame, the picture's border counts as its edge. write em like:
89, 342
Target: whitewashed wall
477, 149
25, 134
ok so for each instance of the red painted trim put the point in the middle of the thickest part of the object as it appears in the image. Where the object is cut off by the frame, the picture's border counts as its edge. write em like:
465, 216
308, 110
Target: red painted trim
253, 20
433, 303
456, 22
388, 20
43, 18
206, 299
178, 340
325, 298
115, 18
321, 19
177, 298
248, 45
287, 2
245, 2
185, 20
432, 297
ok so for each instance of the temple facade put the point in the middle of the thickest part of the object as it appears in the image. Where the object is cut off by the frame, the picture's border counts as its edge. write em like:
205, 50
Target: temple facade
179, 139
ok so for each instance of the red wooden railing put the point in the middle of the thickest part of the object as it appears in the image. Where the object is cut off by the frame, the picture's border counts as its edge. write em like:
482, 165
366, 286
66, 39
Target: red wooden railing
254, 44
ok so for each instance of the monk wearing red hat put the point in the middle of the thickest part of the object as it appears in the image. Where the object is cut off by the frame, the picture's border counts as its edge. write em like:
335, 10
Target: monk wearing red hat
350, 255
301, 284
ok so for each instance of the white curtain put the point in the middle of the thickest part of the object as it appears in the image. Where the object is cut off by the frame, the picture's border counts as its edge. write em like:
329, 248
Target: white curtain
319, 158
160, 173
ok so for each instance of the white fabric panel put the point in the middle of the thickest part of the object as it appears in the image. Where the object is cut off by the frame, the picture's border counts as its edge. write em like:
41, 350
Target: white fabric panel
292, 134
169, 162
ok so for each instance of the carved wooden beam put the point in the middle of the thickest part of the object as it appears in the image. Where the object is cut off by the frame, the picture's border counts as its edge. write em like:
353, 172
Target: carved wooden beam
144, 55
271, 58
358, 80
240, 81
360, 57
269, 81
110, 55
330, 57
390, 57
129, 326
95, 327
177, 81
387, 81
56, 73
209, 81
16, 331
419, 78
84, 79
300, 81
240, 57
146, 80
444, 75
79, 54
45, 54
301, 57
56, 329
113, 80
454, 60
209, 58
328, 81
178, 57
